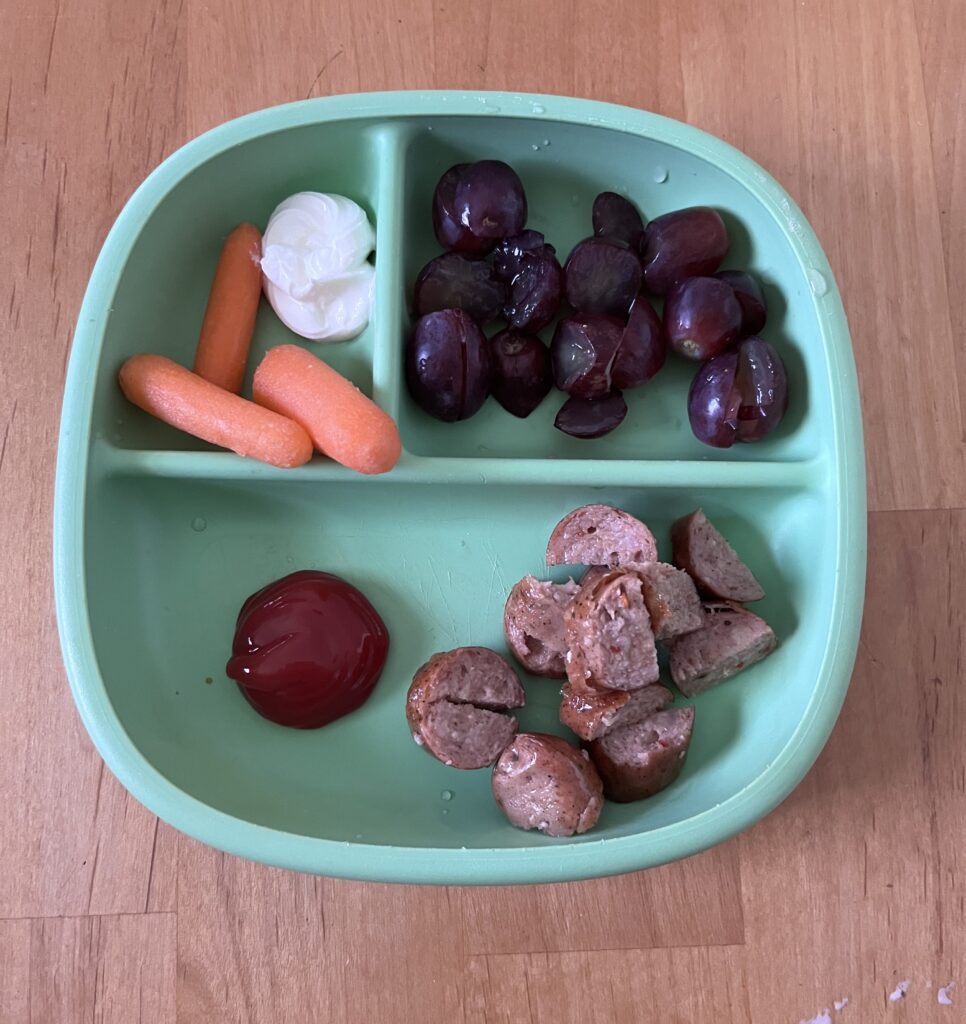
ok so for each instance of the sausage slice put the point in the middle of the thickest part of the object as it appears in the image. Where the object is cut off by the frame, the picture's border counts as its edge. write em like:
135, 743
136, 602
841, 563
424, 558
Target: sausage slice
711, 561
732, 639
600, 535
544, 782
455, 704
671, 599
609, 634
639, 760
593, 713
533, 624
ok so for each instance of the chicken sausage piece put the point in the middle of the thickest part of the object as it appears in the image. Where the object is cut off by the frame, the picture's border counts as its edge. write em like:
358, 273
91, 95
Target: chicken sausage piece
671, 599
593, 713
543, 782
637, 761
533, 624
600, 535
456, 702
732, 639
711, 561
609, 635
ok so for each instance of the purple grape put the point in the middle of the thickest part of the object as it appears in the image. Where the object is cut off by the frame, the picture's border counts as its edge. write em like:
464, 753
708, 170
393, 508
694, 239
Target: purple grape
582, 351
617, 218
752, 299
534, 293
685, 243
702, 317
489, 201
739, 395
452, 281
591, 417
601, 276
448, 365
521, 371
643, 347
450, 233
509, 254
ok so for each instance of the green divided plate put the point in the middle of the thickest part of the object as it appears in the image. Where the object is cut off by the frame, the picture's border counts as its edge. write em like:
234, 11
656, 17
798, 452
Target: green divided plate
159, 539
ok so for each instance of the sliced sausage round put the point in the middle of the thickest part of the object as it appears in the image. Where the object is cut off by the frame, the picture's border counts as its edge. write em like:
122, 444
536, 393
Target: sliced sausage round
600, 535
671, 599
639, 760
713, 564
731, 639
609, 635
533, 624
456, 702
543, 782
592, 713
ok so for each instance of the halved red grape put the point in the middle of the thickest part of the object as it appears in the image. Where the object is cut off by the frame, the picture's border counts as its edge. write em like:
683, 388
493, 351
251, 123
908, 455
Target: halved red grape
448, 365
509, 254
453, 281
643, 347
521, 371
685, 243
750, 296
617, 218
534, 293
591, 417
489, 200
582, 352
740, 395
450, 233
702, 317
601, 276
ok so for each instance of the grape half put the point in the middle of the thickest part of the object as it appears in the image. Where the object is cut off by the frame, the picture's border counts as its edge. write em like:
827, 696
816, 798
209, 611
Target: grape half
643, 347
617, 218
453, 281
601, 276
582, 351
750, 296
702, 317
587, 418
448, 365
685, 243
521, 371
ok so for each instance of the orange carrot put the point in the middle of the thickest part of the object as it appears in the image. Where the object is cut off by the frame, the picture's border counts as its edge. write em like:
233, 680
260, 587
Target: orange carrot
184, 400
226, 332
341, 421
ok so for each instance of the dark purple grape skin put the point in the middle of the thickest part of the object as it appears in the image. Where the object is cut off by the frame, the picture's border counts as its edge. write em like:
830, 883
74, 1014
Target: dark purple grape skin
617, 218
582, 353
643, 347
453, 281
489, 201
739, 395
702, 317
521, 371
750, 296
535, 293
450, 233
508, 256
686, 243
601, 276
448, 367
587, 418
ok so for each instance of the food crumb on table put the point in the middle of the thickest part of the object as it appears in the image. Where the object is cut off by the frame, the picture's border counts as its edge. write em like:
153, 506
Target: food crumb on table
823, 1017
945, 995
840, 1004
899, 991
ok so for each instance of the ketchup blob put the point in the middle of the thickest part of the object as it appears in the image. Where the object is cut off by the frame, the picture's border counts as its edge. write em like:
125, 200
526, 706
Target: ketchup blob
308, 649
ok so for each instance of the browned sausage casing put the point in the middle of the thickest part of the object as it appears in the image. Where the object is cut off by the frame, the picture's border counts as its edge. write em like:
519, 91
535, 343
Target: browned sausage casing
600, 535
591, 713
543, 782
533, 624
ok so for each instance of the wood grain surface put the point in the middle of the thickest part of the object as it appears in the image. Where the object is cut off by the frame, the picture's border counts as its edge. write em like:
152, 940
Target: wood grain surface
857, 882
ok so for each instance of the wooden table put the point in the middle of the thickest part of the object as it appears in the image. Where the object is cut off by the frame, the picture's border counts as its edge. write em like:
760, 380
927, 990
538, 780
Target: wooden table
857, 882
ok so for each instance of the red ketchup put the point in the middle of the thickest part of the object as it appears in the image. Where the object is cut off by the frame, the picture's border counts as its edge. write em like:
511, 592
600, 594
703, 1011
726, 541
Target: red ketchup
308, 649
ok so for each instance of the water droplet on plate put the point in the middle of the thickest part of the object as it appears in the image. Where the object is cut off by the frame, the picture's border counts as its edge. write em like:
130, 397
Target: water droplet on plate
546, 142
538, 108
447, 794
817, 280
535, 147
660, 175
199, 524
358, 835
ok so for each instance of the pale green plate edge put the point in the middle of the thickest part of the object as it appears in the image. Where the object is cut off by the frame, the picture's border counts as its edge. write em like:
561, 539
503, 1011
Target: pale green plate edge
542, 863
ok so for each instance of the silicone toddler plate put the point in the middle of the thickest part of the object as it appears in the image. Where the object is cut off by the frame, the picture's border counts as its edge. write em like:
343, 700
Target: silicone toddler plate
159, 539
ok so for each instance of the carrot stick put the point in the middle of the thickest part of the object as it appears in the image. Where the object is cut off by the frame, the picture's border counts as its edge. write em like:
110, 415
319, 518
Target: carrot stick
184, 400
341, 421
226, 332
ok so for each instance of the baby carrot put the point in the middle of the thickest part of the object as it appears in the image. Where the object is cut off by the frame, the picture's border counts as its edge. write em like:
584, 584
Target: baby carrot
184, 400
226, 332
341, 421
